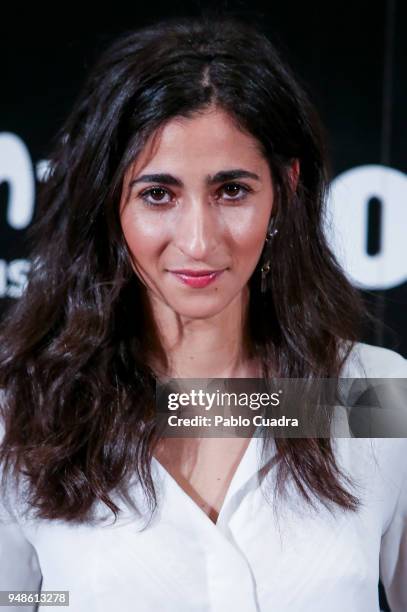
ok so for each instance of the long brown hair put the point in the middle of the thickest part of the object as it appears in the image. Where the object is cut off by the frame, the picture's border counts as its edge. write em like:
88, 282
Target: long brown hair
77, 394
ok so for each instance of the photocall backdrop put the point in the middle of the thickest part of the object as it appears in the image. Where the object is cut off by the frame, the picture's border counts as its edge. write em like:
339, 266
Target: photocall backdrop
352, 58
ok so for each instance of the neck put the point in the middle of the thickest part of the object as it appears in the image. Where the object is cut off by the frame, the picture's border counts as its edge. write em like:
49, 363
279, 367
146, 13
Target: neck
216, 347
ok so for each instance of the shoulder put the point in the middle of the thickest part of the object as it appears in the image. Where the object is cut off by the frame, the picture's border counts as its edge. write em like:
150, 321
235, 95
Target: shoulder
367, 360
377, 462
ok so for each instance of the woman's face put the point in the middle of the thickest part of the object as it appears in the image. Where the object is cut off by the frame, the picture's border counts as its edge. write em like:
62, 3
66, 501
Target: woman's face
197, 201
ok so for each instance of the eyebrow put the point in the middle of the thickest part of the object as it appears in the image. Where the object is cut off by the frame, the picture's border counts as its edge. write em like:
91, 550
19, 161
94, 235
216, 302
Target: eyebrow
219, 177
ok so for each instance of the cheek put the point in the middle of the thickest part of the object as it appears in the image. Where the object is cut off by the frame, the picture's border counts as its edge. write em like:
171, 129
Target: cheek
144, 235
248, 253
248, 232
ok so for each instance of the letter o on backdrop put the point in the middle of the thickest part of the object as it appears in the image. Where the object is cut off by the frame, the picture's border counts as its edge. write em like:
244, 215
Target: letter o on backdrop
346, 225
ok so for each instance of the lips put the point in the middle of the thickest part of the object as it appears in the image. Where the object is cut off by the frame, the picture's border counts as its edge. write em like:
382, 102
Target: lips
196, 272
197, 278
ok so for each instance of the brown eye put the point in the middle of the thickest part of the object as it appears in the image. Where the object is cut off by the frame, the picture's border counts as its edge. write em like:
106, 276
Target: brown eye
234, 189
155, 196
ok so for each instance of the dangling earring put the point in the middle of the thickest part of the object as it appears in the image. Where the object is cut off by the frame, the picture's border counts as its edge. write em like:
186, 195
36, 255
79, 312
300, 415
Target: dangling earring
265, 269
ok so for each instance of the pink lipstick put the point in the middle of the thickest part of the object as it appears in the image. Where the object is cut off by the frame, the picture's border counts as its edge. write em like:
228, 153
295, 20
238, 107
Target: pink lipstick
197, 278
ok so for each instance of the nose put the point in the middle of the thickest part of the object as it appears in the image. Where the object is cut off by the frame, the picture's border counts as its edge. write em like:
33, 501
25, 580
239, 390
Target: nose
198, 229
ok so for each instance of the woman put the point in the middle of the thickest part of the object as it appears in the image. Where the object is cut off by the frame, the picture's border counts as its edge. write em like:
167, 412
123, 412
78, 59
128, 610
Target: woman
179, 235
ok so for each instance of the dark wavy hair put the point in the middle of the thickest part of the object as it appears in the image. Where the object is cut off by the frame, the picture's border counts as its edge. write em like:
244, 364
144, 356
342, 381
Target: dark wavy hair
78, 397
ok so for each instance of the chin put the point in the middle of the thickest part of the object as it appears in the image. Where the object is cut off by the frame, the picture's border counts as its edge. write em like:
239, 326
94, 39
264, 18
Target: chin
199, 310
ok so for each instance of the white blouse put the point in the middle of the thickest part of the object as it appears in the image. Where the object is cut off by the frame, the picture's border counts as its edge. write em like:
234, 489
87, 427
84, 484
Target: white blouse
257, 557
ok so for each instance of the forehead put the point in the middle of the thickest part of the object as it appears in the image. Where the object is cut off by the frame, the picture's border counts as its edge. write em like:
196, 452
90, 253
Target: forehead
210, 138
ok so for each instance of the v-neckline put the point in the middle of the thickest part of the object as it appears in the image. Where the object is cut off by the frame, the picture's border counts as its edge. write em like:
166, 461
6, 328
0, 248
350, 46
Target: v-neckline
247, 467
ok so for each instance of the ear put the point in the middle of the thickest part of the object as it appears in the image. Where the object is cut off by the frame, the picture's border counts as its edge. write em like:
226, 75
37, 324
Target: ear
294, 173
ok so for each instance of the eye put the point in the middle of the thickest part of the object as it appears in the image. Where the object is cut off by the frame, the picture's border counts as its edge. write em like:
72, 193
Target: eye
233, 189
158, 196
